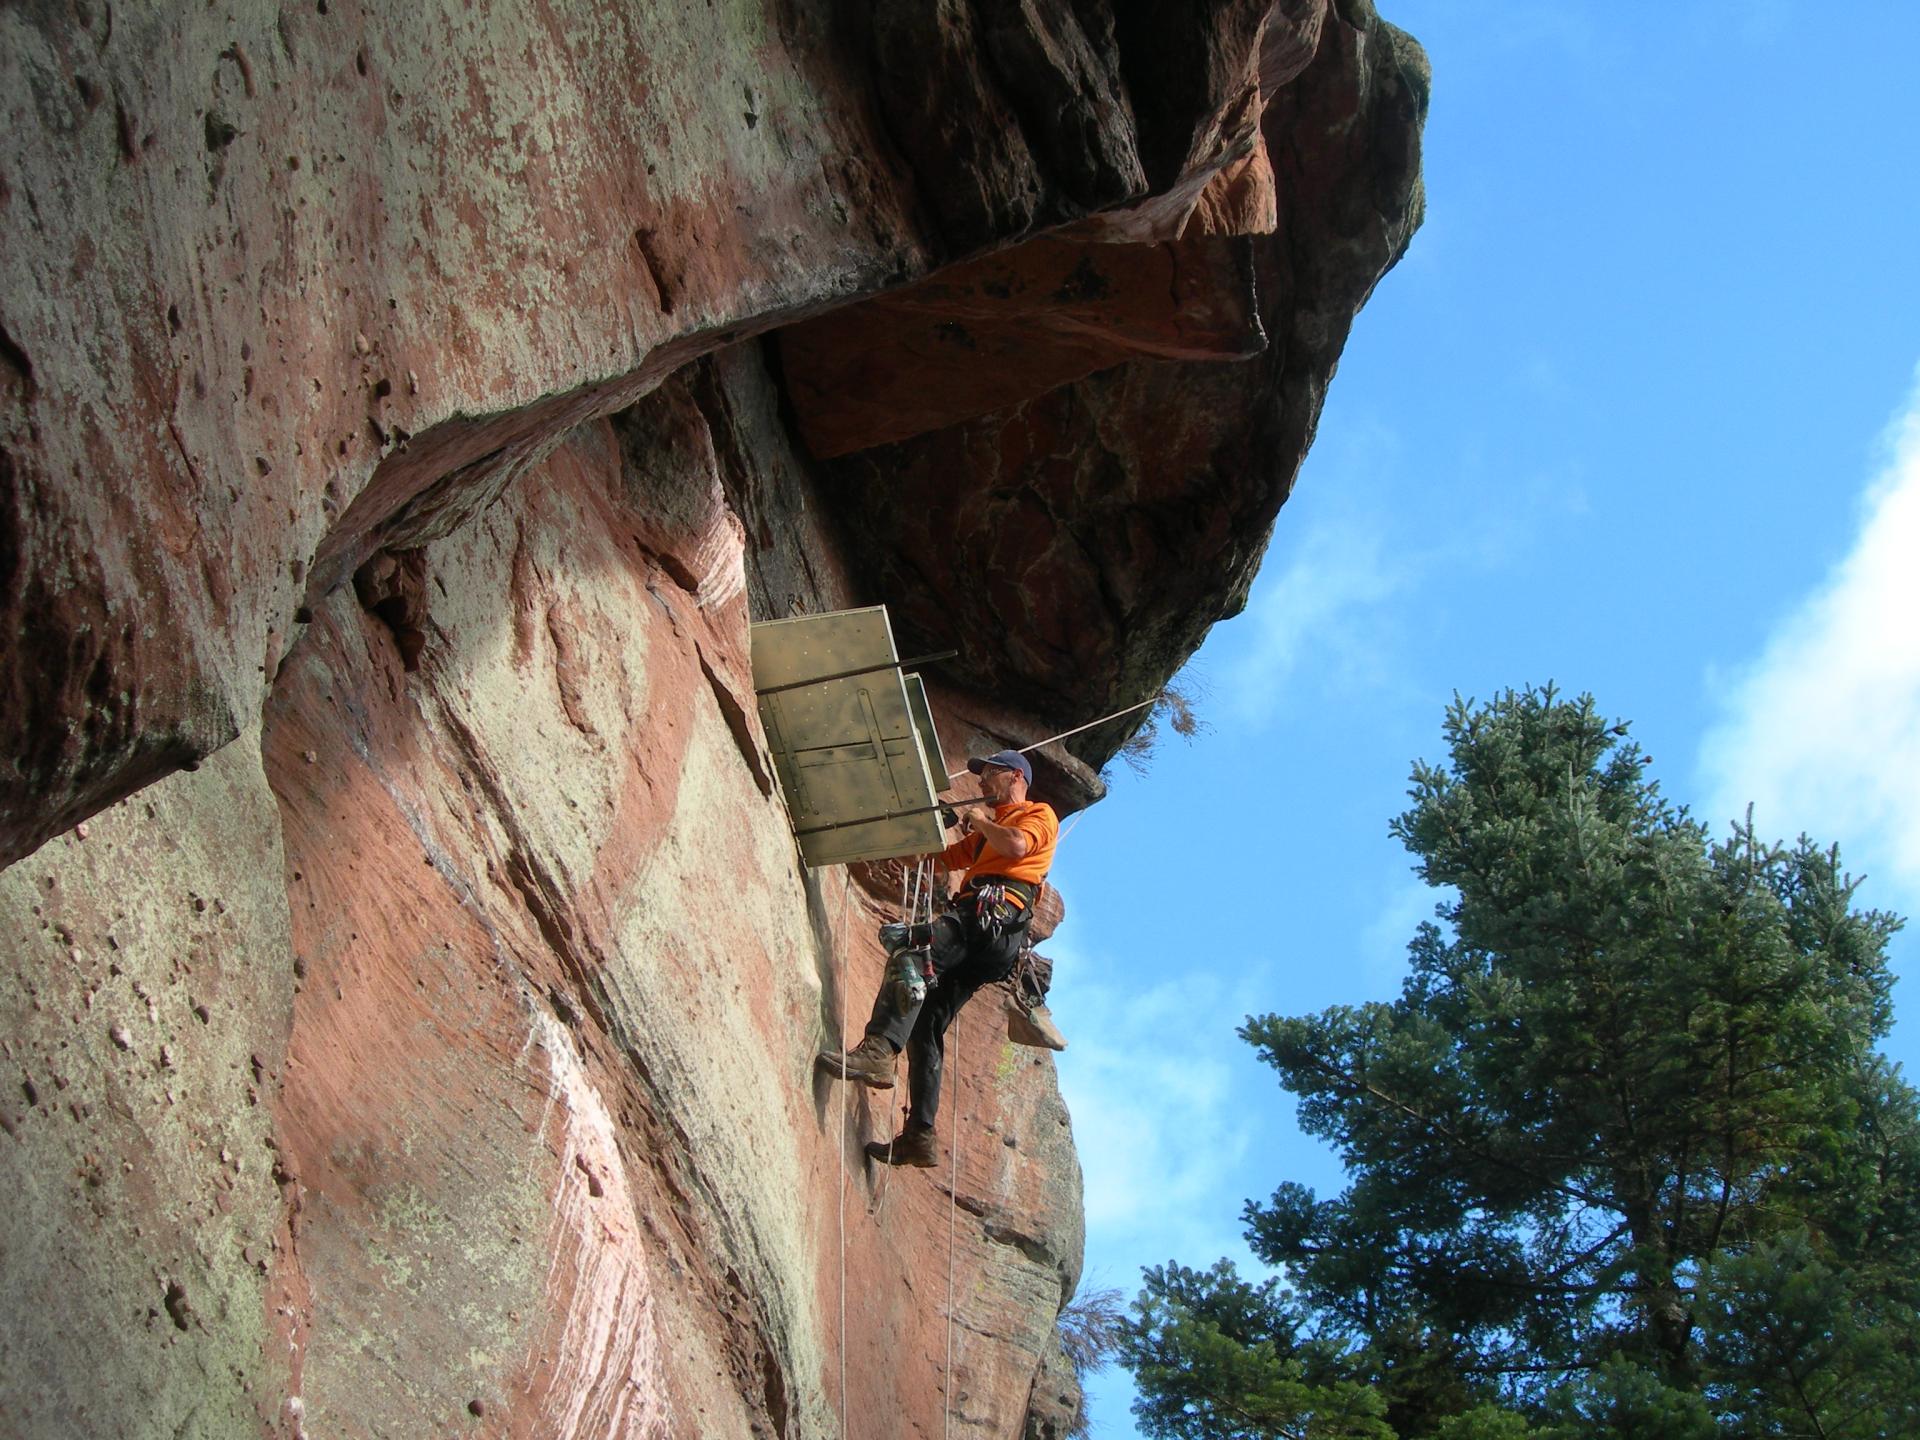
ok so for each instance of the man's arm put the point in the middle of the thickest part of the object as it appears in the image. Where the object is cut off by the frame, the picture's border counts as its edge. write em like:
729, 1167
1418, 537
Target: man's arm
1012, 843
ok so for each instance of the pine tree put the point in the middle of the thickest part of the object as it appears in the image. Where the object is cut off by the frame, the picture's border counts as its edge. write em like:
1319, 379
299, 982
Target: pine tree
1624, 1154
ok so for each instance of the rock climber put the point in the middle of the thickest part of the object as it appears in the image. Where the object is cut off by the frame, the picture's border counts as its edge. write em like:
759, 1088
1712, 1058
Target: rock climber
935, 969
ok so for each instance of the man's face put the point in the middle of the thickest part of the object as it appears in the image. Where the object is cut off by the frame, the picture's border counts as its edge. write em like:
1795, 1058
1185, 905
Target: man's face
997, 782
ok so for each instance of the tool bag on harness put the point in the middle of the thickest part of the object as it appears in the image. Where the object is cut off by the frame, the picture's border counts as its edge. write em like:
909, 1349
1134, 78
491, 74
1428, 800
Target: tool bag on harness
1029, 1022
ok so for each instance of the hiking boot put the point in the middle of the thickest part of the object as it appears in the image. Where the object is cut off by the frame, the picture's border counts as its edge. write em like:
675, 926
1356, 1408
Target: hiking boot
870, 1062
915, 1146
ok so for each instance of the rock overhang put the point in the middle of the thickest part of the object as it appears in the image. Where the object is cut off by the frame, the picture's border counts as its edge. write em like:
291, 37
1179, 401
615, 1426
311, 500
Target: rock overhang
435, 442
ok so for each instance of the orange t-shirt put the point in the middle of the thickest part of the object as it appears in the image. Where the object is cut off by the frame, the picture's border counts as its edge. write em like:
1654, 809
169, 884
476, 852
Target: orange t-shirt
1037, 822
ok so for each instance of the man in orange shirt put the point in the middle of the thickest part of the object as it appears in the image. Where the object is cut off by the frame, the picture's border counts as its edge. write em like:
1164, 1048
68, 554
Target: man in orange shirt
1005, 859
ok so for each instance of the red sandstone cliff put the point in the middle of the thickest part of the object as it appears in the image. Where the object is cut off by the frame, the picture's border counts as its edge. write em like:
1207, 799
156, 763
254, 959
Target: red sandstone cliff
409, 985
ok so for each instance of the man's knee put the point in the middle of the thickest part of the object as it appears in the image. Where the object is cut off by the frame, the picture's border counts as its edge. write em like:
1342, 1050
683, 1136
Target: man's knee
949, 942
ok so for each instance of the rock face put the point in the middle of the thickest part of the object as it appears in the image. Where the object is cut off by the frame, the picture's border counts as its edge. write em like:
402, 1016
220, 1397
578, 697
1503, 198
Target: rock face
1104, 525
408, 982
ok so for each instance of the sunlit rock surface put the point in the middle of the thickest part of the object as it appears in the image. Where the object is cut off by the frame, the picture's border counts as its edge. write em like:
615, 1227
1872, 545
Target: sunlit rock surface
409, 986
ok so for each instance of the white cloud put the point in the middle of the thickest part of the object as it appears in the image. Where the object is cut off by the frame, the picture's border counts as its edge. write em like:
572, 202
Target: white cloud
1822, 731
1156, 1082
1323, 611
1403, 901
1354, 575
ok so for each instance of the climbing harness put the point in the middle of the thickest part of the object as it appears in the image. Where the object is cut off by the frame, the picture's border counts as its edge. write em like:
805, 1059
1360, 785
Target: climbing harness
1001, 905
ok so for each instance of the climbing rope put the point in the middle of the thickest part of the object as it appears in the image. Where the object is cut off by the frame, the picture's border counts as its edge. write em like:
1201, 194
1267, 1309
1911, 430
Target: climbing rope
1064, 734
909, 916
841, 944
916, 907
953, 1209
1071, 824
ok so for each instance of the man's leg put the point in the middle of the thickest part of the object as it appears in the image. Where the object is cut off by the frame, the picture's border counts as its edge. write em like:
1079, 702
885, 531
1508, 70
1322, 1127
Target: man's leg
926, 1049
872, 1061
986, 959
982, 959
946, 944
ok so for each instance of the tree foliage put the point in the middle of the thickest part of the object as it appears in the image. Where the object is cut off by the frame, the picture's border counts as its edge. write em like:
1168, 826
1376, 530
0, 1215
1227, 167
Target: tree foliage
1089, 1326
1175, 707
1216, 1358
1625, 1158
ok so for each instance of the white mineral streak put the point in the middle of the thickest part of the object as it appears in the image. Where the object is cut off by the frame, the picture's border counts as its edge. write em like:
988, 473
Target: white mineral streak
604, 1378
721, 560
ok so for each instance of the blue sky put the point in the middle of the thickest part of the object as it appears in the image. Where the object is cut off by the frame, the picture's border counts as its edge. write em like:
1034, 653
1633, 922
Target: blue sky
1639, 414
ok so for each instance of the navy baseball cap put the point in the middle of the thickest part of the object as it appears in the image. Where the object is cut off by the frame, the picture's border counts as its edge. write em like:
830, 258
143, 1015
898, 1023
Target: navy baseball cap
1006, 760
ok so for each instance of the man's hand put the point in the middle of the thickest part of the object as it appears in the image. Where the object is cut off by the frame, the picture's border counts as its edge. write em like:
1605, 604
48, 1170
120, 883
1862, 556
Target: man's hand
960, 812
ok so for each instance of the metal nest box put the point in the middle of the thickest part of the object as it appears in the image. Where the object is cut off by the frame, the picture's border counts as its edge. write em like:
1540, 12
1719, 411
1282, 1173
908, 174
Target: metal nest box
852, 735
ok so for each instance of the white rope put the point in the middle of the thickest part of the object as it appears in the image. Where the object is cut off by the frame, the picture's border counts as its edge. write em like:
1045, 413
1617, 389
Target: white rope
916, 888
916, 904
953, 1211
1064, 734
841, 943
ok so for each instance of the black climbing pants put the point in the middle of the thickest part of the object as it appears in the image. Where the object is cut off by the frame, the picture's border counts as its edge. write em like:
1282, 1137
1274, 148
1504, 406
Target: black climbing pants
966, 955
